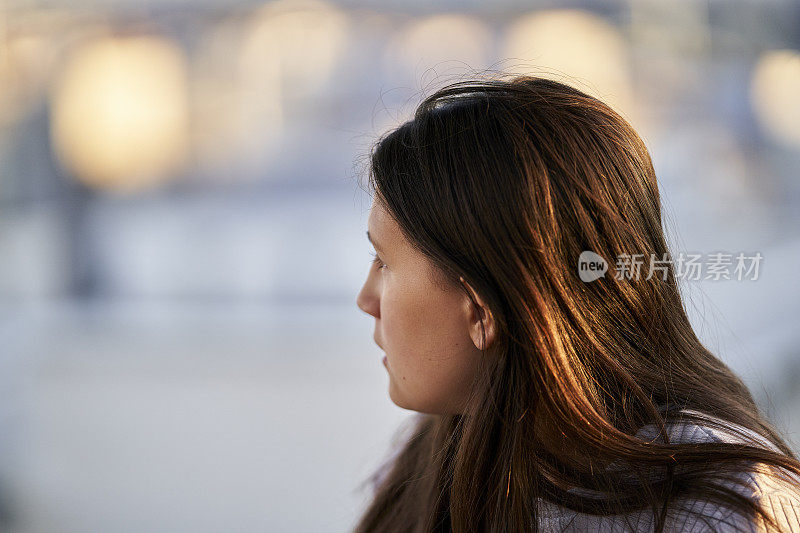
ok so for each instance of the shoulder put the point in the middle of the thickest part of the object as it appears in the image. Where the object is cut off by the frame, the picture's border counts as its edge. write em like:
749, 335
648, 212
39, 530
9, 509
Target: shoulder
781, 504
696, 426
775, 490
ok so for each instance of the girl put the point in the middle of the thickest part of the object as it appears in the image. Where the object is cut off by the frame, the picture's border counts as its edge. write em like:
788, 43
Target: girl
548, 402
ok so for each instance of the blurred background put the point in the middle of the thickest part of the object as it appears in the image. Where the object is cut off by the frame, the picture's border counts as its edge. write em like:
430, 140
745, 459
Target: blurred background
182, 234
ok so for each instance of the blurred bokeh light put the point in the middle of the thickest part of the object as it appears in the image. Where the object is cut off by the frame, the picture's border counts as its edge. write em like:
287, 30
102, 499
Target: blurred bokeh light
120, 112
438, 45
594, 57
298, 43
775, 89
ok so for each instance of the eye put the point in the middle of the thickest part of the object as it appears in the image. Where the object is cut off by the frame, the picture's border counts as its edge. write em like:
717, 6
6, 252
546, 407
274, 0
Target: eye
377, 260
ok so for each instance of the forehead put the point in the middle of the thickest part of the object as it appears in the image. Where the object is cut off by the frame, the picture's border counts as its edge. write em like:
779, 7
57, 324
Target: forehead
380, 224
384, 230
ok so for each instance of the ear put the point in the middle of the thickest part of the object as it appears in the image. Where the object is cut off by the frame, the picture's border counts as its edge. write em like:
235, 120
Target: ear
477, 314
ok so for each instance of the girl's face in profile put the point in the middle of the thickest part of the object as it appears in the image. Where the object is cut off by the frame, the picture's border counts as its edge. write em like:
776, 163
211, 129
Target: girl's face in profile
427, 331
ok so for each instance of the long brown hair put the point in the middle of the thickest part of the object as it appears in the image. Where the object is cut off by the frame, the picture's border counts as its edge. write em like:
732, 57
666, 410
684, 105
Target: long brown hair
504, 182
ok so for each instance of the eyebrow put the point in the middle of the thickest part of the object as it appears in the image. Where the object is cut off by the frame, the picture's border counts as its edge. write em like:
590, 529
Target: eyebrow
375, 244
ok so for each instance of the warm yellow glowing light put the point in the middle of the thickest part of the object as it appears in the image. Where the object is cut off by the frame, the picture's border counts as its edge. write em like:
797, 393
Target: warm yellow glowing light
774, 90
24, 63
120, 112
237, 109
440, 45
298, 41
574, 47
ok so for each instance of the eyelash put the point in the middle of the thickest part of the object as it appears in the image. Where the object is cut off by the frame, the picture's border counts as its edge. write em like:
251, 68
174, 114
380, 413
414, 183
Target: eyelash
377, 260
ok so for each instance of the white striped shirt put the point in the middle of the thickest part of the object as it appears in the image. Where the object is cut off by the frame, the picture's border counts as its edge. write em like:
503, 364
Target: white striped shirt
780, 498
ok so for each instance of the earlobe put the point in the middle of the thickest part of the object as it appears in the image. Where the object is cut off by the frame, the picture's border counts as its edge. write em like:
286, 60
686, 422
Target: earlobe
478, 314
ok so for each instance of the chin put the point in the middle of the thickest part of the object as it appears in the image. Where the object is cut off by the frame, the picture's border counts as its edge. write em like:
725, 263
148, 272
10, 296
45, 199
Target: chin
398, 399
403, 403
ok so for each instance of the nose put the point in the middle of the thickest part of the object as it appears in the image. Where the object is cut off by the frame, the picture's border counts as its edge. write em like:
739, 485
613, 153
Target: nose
368, 299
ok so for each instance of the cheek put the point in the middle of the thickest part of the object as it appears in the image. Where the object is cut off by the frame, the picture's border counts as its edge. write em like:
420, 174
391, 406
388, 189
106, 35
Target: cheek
430, 354
418, 321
